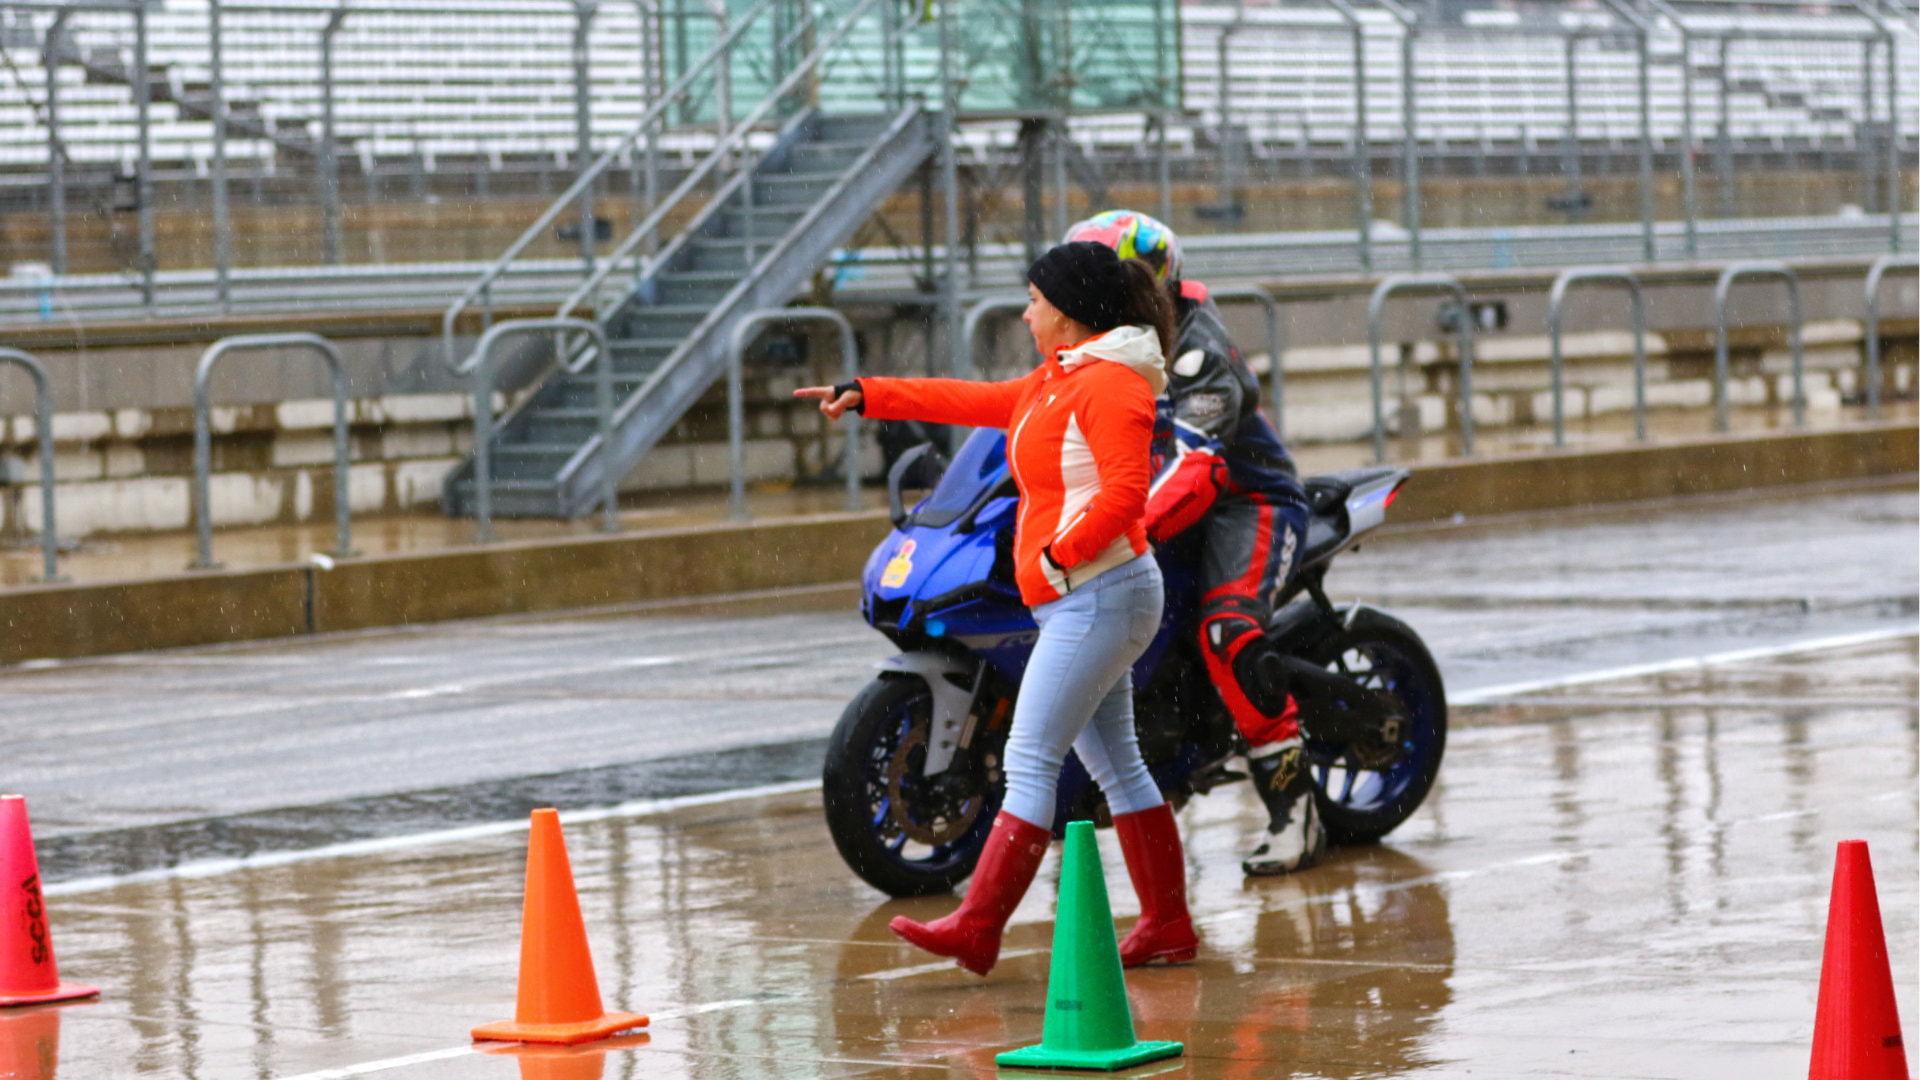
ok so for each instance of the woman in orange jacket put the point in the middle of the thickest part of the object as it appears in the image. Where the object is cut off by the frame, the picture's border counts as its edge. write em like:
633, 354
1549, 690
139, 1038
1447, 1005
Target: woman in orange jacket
1079, 428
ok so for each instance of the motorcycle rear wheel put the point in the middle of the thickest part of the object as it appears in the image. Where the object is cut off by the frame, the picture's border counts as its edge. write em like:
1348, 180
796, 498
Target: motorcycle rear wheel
1363, 800
903, 833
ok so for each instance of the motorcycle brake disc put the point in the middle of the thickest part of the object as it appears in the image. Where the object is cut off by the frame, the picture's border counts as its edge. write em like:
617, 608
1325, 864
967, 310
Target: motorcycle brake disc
942, 827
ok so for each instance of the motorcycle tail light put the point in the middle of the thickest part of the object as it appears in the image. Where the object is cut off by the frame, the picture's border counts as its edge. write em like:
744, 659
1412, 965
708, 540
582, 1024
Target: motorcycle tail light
1392, 495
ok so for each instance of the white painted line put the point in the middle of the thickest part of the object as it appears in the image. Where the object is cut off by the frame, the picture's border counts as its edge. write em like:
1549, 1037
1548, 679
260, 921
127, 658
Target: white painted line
368, 1068
346, 1072
386, 844
1685, 663
465, 685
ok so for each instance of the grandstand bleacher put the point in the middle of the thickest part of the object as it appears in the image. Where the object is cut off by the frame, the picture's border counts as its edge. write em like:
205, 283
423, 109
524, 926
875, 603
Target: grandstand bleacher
466, 83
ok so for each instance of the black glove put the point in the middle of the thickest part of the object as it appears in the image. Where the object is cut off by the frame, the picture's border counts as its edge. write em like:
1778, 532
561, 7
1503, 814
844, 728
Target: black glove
852, 386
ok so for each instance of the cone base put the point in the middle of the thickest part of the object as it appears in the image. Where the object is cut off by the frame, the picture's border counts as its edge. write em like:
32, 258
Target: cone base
559, 1034
1044, 1057
63, 992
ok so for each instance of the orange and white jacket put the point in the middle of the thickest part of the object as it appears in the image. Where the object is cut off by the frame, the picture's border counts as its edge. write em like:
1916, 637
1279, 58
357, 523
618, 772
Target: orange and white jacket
1079, 434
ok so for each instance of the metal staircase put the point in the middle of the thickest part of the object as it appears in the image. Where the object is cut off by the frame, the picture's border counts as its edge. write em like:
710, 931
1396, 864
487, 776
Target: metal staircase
754, 249
774, 214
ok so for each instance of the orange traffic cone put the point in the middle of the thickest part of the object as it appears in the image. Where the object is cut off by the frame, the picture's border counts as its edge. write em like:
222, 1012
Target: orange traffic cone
27, 972
566, 1062
559, 997
1856, 1031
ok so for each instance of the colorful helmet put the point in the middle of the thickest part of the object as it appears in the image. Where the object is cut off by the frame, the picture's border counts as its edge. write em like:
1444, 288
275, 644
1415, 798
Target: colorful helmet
1135, 236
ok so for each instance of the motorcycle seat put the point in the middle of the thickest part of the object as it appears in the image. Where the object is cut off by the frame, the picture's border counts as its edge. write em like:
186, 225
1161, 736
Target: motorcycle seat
1327, 494
1327, 509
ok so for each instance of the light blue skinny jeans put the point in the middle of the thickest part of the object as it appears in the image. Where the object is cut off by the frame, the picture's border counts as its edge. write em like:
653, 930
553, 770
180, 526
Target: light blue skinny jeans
1078, 692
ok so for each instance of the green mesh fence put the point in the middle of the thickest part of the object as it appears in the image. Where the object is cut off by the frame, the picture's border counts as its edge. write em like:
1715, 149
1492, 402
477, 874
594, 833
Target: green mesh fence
1014, 58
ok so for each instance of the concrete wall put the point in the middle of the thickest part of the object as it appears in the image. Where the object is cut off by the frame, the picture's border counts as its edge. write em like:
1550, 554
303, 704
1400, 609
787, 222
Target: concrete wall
64, 620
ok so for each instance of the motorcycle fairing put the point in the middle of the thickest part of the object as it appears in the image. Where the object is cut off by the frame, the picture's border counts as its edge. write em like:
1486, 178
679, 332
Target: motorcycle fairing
952, 683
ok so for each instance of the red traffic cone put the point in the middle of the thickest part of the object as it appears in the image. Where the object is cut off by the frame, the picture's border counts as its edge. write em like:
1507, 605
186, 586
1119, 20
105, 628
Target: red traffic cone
27, 972
559, 998
1856, 1032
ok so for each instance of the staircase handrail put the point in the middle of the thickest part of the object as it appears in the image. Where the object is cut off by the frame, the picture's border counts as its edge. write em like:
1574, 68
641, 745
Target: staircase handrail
726, 303
571, 196
719, 154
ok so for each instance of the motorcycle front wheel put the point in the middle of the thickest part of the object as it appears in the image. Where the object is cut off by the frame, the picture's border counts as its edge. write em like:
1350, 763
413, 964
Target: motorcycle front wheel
904, 833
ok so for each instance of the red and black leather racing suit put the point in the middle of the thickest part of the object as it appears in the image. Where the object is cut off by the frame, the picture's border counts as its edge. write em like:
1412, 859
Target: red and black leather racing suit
1234, 480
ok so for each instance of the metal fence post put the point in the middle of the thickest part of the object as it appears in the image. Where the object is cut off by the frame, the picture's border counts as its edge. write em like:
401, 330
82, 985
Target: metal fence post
1362, 152
1410, 143
330, 229
583, 13
222, 223
1643, 37
203, 437
1863, 142
1464, 335
1689, 198
1276, 346
958, 365
50, 57
1874, 273
143, 183
1570, 145
43, 429
1556, 297
1891, 151
1723, 135
742, 335
1734, 272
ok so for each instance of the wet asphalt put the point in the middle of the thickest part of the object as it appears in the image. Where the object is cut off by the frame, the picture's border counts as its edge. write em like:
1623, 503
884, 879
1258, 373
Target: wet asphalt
1615, 876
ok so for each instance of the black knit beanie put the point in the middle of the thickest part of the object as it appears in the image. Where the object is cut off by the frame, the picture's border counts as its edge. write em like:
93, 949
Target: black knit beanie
1083, 279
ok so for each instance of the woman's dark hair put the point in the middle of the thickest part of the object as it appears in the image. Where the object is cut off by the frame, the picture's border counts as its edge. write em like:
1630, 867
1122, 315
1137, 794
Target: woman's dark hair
1146, 303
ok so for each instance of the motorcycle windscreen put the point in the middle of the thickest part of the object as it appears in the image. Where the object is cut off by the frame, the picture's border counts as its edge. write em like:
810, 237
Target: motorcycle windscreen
977, 469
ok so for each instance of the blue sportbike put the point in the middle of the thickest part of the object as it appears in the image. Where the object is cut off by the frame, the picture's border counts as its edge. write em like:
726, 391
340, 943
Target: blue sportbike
913, 771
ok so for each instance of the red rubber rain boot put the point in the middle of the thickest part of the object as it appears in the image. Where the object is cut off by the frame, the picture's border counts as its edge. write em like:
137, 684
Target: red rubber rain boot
971, 935
1150, 840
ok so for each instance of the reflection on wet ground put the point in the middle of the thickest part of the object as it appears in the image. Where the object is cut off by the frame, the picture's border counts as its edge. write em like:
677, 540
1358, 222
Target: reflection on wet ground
1622, 878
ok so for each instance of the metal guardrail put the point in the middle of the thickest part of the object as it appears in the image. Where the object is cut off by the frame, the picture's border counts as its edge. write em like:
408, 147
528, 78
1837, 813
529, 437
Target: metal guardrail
543, 282
1463, 331
1732, 274
43, 428
1879, 270
1276, 346
970, 326
203, 436
743, 334
479, 364
1556, 297
582, 186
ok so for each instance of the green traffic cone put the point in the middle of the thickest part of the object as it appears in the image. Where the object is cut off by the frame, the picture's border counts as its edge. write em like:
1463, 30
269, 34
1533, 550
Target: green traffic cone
1089, 1024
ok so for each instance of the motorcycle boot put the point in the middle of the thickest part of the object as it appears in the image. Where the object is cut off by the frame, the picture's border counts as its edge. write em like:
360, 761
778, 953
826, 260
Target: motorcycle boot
971, 935
1150, 842
1295, 838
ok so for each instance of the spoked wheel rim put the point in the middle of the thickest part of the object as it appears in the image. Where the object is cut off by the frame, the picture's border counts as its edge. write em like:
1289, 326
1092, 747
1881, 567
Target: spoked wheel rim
1373, 779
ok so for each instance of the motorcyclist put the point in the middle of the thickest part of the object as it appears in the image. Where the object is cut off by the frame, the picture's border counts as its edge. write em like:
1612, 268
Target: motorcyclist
1229, 475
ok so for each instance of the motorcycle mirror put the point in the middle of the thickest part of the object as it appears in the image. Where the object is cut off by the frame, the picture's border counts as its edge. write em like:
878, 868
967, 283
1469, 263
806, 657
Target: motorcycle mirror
896, 506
